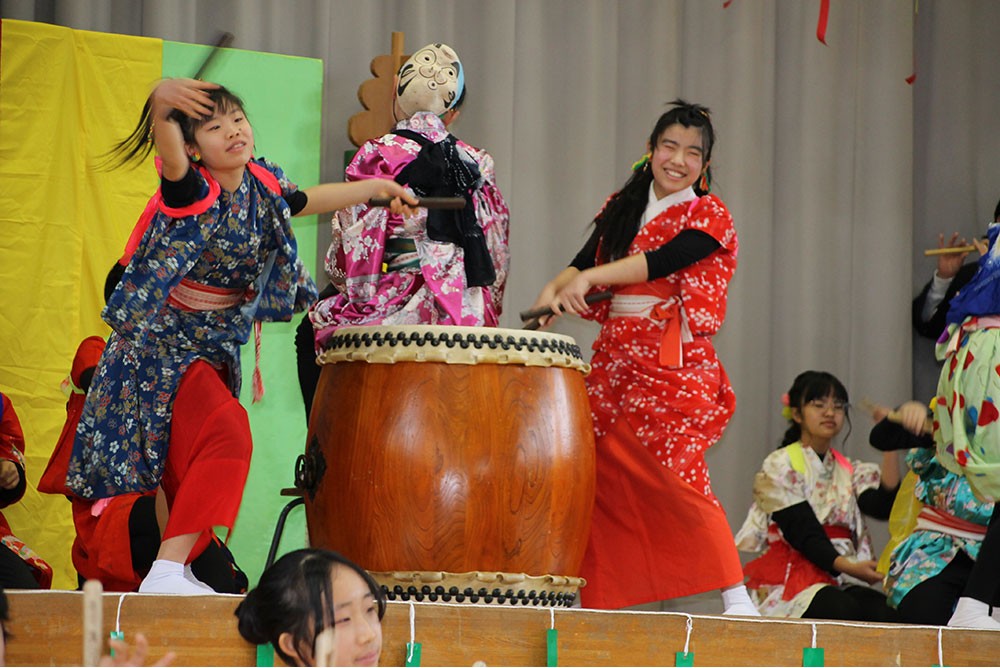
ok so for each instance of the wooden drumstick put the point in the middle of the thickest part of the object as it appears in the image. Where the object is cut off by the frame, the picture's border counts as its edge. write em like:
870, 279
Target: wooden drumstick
542, 311
424, 202
224, 41
952, 250
93, 622
893, 416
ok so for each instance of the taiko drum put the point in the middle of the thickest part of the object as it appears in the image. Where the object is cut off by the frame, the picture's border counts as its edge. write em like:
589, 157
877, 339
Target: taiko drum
451, 449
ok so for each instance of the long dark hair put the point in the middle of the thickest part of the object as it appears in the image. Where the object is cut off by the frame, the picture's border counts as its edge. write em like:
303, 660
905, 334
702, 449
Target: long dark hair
136, 147
618, 222
295, 595
811, 385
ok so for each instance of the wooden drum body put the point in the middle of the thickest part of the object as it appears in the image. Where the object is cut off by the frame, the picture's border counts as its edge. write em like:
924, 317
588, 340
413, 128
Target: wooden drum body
453, 459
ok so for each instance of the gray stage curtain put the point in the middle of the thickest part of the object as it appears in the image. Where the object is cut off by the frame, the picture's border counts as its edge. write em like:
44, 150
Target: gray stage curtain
837, 171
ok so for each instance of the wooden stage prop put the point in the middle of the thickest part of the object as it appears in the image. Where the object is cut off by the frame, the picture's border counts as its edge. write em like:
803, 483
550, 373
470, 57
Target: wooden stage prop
47, 630
454, 463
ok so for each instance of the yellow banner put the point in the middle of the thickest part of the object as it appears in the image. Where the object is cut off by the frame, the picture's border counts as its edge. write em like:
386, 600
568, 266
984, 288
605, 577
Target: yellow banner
66, 96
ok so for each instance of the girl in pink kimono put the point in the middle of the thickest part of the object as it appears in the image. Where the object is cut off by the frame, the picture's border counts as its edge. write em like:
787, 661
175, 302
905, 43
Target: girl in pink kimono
437, 267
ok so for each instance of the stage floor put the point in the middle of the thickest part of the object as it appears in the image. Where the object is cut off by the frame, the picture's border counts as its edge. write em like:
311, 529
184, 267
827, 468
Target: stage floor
46, 629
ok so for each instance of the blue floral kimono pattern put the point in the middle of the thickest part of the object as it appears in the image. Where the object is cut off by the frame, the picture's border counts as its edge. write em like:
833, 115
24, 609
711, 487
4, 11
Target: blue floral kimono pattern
243, 241
924, 554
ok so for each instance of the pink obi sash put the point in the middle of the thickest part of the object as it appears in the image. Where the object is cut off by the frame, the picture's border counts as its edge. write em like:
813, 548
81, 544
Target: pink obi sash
934, 519
190, 295
660, 302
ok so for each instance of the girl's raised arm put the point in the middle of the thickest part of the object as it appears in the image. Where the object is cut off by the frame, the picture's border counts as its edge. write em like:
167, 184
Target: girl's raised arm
189, 97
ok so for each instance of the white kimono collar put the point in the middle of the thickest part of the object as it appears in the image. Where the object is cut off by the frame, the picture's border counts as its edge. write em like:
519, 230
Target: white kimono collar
654, 206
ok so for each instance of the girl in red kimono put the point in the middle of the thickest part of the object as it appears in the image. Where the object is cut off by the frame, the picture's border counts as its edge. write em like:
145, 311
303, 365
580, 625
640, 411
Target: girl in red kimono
658, 394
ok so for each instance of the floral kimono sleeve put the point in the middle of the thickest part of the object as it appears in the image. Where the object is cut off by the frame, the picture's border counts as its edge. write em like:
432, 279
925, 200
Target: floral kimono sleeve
777, 485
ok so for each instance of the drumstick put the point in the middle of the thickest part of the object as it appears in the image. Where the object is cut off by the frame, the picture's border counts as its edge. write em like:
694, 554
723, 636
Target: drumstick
893, 416
949, 251
225, 39
543, 311
93, 622
424, 202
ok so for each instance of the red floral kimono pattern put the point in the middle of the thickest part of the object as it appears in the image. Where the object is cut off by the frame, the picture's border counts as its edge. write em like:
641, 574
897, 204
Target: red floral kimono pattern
653, 424
678, 412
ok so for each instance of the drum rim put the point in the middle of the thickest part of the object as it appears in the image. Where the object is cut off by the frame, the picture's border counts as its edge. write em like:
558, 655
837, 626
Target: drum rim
456, 329
465, 345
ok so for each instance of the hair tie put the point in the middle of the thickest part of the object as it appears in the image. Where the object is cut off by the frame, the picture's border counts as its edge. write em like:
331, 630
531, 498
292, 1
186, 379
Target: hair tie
786, 410
641, 163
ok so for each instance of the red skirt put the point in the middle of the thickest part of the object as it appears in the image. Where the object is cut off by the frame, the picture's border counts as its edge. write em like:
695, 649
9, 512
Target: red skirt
653, 536
208, 459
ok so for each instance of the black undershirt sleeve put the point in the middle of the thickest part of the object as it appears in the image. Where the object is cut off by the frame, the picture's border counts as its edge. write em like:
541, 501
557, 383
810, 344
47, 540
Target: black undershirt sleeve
297, 201
803, 531
682, 251
877, 502
178, 194
888, 436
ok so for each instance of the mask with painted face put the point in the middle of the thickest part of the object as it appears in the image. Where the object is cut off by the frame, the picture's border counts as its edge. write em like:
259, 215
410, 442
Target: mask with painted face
431, 80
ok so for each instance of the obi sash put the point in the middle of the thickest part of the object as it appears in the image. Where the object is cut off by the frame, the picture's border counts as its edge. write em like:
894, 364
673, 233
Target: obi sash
190, 295
659, 301
935, 519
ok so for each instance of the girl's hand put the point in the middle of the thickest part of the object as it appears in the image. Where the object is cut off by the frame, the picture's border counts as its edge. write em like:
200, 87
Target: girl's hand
399, 193
862, 570
948, 264
913, 417
572, 298
188, 96
128, 656
9, 476
982, 245
544, 299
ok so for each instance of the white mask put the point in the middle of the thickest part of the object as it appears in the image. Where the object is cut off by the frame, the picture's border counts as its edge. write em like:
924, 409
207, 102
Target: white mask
431, 80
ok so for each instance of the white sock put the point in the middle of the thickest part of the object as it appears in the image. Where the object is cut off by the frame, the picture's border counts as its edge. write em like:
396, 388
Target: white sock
193, 579
973, 614
736, 601
167, 577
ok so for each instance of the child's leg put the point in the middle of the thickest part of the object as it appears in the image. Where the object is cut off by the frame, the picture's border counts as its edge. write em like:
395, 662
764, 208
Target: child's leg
736, 601
205, 471
933, 600
973, 607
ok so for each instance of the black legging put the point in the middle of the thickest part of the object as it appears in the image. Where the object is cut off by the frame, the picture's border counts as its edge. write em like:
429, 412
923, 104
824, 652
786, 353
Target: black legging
216, 566
305, 354
933, 600
15, 573
984, 580
853, 603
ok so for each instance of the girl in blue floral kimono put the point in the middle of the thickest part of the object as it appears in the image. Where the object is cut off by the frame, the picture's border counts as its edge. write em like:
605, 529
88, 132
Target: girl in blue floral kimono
217, 256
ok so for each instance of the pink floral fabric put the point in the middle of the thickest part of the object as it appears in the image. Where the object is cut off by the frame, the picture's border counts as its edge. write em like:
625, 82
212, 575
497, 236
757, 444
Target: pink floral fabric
431, 290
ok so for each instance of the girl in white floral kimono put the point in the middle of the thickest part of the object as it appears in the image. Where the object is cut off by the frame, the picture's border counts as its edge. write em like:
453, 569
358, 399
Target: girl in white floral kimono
806, 519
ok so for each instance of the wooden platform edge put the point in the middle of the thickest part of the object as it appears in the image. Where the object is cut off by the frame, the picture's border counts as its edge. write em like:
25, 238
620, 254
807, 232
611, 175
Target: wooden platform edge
46, 629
